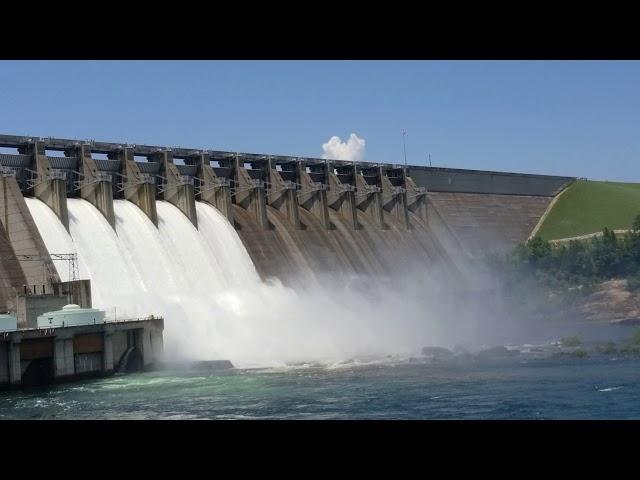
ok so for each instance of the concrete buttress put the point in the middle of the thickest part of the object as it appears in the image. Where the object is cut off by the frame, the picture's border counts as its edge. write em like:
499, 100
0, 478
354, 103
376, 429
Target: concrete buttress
96, 186
313, 194
139, 188
50, 185
213, 189
178, 189
250, 195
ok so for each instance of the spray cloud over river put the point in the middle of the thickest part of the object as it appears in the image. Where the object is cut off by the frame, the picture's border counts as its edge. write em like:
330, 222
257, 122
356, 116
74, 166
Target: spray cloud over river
203, 282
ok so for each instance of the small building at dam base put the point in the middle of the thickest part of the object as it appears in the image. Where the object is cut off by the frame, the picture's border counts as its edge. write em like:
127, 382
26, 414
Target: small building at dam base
36, 356
72, 342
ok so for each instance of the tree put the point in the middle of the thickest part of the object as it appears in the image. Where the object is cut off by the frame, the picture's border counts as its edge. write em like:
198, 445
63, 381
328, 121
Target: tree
538, 249
606, 257
635, 225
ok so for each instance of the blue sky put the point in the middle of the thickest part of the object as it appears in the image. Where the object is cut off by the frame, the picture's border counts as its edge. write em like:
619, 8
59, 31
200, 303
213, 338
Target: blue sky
557, 117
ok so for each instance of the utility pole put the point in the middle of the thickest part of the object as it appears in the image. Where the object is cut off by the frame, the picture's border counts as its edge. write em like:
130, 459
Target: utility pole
71, 258
404, 147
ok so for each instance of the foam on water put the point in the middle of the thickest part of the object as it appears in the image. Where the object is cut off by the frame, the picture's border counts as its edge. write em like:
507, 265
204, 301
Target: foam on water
202, 281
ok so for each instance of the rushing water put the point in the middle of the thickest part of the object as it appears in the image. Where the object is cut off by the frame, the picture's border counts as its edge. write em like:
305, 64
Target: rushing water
202, 281
587, 388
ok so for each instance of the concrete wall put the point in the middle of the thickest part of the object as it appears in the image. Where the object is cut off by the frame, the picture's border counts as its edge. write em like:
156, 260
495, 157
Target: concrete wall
20, 237
484, 223
88, 362
437, 179
29, 307
11, 275
63, 357
75, 291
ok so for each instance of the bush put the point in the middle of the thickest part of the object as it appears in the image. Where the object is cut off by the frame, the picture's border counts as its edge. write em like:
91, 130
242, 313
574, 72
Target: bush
580, 353
630, 349
572, 341
633, 282
608, 348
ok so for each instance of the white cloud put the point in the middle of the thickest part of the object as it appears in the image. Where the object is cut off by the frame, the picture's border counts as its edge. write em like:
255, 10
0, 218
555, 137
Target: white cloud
352, 149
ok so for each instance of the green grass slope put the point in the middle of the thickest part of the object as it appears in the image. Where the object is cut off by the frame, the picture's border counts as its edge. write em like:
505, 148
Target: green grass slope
587, 207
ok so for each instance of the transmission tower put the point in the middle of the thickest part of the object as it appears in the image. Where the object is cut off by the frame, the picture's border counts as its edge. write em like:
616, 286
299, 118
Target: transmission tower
71, 258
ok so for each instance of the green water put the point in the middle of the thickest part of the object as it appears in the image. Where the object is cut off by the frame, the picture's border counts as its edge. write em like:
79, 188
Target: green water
597, 387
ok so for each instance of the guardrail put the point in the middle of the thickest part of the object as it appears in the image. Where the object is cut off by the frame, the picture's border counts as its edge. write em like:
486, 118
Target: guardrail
51, 330
134, 319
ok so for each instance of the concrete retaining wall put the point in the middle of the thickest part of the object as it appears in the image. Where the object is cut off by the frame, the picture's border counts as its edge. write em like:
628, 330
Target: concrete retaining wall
484, 223
20, 237
437, 179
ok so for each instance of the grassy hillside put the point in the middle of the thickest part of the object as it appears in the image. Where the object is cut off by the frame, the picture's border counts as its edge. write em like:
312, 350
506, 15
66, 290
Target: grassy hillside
588, 207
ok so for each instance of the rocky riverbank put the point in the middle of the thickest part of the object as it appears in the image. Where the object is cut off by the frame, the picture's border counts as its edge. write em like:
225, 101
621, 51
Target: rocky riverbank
611, 302
571, 346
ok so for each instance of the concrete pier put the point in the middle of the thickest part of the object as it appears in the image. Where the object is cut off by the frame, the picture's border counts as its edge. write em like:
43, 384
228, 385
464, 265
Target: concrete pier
10, 373
63, 363
416, 198
312, 195
282, 190
138, 187
394, 194
342, 193
48, 185
15, 372
95, 186
250, 193
369, 194
177, 189
213, 188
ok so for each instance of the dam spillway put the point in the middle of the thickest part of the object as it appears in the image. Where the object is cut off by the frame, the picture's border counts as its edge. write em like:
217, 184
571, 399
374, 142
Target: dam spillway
214, 303
174, 268
244, 252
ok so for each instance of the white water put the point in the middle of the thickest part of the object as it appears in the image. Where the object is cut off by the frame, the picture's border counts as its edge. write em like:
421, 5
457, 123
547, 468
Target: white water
202, 281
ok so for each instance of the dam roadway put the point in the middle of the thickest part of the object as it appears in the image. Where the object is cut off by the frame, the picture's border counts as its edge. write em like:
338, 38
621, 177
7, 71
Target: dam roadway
296, 216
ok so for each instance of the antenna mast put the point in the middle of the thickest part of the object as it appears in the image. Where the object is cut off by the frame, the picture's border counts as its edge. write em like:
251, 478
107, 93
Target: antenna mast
404, 147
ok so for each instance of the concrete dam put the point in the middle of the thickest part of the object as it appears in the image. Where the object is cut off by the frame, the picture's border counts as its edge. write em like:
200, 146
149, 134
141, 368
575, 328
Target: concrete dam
213, 240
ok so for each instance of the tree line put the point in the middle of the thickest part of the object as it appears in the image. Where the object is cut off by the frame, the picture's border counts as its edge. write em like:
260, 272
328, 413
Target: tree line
578, 262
